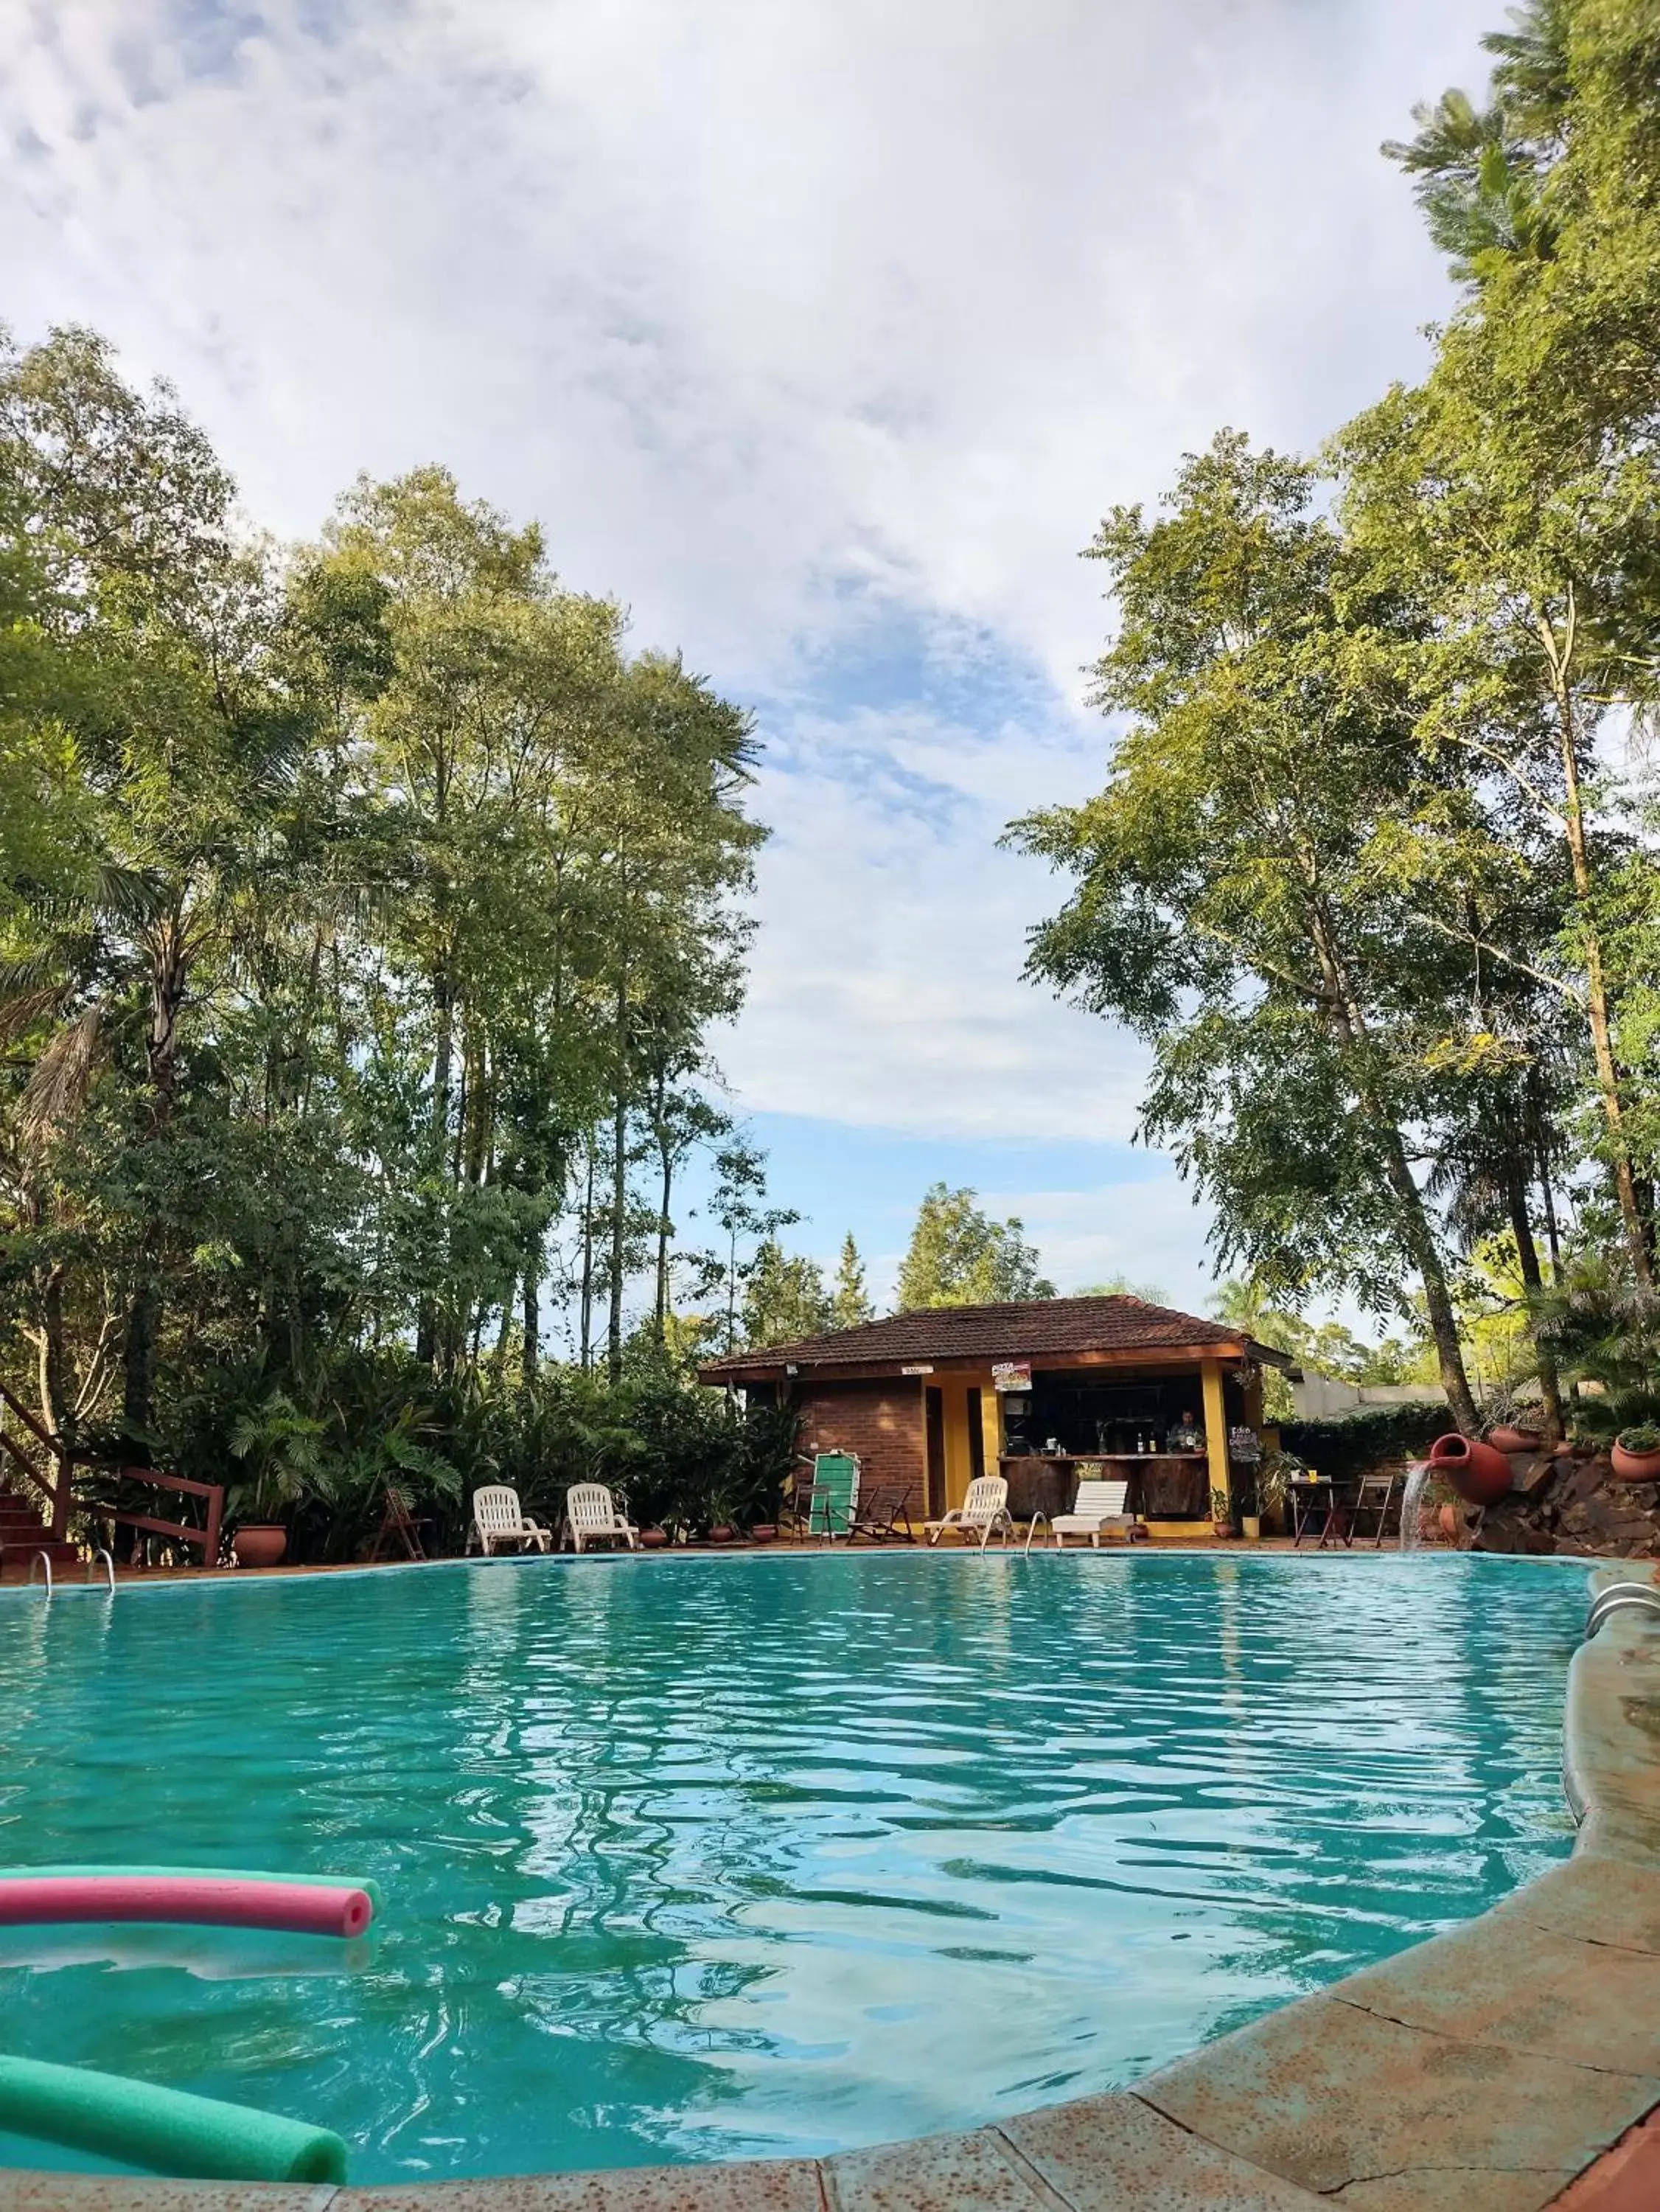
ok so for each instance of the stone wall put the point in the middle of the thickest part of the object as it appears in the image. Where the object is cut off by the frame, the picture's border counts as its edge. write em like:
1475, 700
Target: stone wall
1571, 1505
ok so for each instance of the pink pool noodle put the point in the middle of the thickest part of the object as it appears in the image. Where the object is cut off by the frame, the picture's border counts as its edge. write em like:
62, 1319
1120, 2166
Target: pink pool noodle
302, 1908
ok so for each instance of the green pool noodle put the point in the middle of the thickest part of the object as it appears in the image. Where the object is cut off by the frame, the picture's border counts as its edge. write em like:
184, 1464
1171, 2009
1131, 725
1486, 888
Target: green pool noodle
370, 1888
165, 2131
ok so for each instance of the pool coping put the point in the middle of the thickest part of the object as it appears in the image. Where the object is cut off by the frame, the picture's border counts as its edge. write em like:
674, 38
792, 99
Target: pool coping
1481, 2071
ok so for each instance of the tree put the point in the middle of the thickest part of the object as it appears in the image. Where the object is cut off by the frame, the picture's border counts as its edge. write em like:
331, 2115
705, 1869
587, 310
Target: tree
1244, 894
850, 1305
958, 1257
786, 1298
1120, 1286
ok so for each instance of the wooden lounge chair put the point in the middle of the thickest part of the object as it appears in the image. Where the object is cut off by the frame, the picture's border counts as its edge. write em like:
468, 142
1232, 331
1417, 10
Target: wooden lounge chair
1098, 1509
398, 1525
884, 1513
983, 1510
497, 1520
834, 1500
591, 1517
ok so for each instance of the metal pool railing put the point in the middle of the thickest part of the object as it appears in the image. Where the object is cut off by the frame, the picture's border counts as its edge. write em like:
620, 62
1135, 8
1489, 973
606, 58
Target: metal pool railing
1620, 1597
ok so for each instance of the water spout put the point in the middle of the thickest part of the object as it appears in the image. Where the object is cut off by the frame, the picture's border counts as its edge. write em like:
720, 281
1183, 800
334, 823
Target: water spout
1418, 1473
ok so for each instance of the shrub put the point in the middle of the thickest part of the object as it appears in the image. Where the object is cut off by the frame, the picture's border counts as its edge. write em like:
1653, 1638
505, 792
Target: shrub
1354, 1443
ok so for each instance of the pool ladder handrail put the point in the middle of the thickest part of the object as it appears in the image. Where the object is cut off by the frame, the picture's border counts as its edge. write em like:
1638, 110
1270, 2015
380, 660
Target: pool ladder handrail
43, 1559
109, 1566
1620, 1597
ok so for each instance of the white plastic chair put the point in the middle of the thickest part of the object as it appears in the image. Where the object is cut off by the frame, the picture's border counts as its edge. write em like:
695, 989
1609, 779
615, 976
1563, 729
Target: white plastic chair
984, 1509
497, 1520
1098, 1506
591, 1517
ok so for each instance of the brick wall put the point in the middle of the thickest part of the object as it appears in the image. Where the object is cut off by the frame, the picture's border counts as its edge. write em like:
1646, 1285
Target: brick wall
882, 1421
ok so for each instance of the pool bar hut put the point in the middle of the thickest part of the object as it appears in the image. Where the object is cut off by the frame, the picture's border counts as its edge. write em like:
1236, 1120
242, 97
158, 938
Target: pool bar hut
931, 1399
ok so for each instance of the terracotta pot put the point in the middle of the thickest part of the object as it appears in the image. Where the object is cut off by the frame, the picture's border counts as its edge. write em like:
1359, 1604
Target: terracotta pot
1480, 1474
765, 1532
260, 1544
1506, 1439
1447, 1520
653, 1539
1635, 1467
1222, 1531
722, 1533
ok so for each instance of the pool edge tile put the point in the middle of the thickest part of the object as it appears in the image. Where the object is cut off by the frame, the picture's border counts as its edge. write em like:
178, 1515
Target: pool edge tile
1098, 2153
791, 2184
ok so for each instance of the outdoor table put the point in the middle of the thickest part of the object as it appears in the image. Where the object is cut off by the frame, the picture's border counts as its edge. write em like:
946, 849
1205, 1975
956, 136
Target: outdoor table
1320, 1497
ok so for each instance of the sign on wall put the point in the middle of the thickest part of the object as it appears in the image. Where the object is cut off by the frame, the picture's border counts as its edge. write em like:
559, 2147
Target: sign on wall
1011, 1375
916, 1371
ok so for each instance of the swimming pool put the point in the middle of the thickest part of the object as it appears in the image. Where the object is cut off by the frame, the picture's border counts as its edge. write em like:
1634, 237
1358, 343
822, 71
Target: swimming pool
696, 1857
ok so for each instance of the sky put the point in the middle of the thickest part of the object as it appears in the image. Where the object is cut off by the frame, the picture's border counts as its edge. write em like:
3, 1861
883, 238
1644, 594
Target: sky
821, 333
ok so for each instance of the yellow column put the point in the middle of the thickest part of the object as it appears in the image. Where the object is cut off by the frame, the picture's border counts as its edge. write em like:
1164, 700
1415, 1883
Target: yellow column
990, 1426
1215, 1427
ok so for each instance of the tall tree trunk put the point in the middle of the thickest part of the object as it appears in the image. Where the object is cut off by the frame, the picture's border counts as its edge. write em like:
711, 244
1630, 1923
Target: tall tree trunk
499, 1356
1539, 1147
587, 1298
619, 1190
1559, 656
666, 1176
443, 1058
170, 964
54, 1365
530, 1352
1348, 1026
1527, 1253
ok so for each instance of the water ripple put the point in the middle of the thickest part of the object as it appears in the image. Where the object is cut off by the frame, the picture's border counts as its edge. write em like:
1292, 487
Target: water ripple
686, 1858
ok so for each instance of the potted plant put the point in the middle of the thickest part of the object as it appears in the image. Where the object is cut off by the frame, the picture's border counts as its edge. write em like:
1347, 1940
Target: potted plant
1510, 1432
1222, 1514
653, 1539
723, 1518
284, 1451
1636, 1454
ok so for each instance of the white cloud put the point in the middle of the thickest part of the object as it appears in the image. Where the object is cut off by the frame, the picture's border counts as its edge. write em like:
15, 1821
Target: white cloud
886, 987
1147, 1231
785, 318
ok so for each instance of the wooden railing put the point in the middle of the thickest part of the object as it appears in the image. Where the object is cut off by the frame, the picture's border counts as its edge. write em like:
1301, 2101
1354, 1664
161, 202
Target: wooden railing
182, 1532
59, 1491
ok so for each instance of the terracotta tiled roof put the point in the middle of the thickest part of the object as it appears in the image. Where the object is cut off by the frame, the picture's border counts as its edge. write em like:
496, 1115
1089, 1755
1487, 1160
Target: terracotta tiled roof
1032, 1329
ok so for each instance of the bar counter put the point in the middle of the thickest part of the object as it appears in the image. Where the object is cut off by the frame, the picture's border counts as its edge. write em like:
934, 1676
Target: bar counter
1163, 1486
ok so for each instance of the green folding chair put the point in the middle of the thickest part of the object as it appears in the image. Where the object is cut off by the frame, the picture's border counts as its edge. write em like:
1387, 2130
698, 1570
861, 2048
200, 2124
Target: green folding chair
833, 1503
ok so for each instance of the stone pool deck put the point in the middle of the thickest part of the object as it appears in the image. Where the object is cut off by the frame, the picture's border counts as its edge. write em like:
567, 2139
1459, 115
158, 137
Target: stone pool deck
1512, 2064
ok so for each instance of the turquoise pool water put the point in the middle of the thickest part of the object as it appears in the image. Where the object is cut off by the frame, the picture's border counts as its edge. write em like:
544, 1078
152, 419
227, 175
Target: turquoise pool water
693, 1858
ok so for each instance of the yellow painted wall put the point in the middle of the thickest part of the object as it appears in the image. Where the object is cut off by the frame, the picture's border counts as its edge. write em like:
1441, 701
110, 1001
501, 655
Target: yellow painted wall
959, 1465
1215, 1424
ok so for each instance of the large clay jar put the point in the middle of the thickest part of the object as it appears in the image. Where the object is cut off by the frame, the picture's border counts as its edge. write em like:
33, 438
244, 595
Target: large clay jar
1635, 1467
260, 1544
653, 1539
1514, 1440
1480, 1475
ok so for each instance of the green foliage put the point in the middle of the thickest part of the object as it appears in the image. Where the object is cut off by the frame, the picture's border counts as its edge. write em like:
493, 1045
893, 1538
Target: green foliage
1644, 1436
849, 1305
363, 912
786, 1298
958, 1257
1362, 1440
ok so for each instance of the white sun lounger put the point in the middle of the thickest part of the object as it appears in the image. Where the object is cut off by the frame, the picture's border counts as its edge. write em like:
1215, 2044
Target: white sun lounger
591, 1517
983, 1510
1098, 1507
497, 1520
